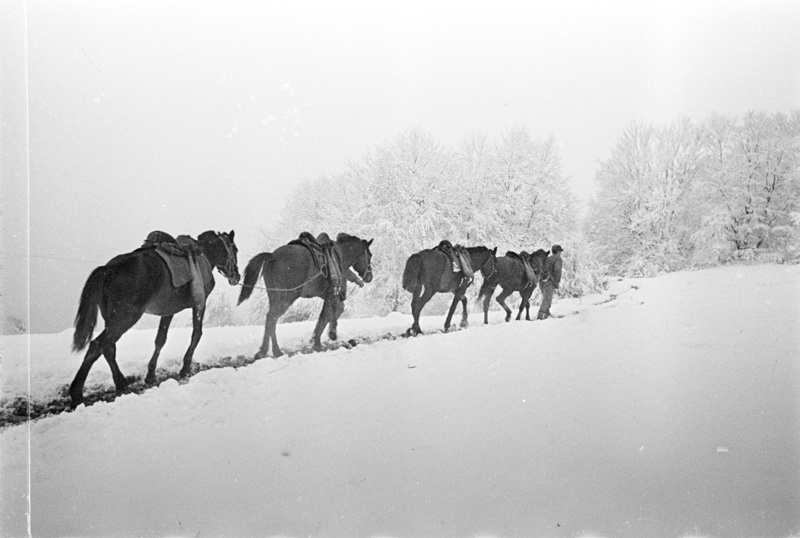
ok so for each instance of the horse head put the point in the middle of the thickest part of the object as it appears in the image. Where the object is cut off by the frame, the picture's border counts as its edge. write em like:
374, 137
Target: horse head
537, 261
221, 251
358, 254
484, 260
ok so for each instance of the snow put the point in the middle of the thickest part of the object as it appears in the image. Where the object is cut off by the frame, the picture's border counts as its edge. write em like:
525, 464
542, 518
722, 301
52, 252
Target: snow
665, 407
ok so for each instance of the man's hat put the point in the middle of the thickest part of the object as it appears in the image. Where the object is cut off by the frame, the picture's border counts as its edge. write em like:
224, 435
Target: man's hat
556, 248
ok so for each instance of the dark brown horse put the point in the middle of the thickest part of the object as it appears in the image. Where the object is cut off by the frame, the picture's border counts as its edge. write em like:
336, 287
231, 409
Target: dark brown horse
429, 272
140, 282
291, 273
510, 275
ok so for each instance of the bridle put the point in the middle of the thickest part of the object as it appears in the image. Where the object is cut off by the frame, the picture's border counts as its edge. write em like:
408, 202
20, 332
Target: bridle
494, 266
230, 267
368, 270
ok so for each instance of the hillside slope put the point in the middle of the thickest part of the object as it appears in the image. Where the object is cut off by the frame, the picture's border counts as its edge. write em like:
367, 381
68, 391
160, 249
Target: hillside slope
669, 411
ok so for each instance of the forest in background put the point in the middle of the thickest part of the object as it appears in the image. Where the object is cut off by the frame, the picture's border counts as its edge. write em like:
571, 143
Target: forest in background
670, 197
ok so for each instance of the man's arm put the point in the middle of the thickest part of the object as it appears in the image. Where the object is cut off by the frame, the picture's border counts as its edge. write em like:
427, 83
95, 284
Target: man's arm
557, 273
352, 277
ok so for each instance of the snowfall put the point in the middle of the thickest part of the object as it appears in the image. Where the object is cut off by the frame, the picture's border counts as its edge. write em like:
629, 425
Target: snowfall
664, 407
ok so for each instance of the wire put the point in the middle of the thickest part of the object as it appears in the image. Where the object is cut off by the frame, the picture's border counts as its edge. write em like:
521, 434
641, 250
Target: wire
53, 258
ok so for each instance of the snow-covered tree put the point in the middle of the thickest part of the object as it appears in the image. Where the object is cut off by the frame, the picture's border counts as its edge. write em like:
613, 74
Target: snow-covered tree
411, 193
751, 186
642, 219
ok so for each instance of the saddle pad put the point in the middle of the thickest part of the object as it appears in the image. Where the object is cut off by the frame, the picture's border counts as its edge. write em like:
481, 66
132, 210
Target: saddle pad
530, 275
181, 272
466, 267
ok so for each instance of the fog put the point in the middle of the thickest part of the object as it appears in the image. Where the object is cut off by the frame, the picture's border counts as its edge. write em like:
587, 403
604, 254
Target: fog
124, 117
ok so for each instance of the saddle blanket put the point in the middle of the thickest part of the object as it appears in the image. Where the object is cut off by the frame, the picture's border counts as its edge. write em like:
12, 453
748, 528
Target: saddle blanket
181, 272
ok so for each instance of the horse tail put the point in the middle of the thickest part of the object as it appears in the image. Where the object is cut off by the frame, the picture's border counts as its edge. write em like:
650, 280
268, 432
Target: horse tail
251, 274
411, 272
86, 318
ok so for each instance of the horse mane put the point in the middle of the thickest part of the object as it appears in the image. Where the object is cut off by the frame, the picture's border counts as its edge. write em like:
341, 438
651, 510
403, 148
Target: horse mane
541, 253
346, 238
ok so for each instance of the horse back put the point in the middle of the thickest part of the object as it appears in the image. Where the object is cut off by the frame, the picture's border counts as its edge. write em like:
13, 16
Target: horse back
436, 271
133, 281
293, 269
509, 271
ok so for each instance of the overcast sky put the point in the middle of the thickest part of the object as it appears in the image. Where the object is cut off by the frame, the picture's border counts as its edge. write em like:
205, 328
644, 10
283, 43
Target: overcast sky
189, 115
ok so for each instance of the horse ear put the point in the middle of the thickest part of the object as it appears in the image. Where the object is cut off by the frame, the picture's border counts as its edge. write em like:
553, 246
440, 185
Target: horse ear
231, 234
370, 241
495, 251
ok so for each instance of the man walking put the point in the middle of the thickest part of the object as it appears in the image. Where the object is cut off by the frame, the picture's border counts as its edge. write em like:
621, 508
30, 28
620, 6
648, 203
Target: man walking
551, 278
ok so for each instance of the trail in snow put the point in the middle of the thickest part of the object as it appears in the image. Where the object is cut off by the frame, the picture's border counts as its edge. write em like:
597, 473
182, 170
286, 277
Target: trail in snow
21, 408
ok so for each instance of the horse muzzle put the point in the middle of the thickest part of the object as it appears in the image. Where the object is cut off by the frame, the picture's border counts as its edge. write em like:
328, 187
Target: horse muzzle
367, 277
234, 279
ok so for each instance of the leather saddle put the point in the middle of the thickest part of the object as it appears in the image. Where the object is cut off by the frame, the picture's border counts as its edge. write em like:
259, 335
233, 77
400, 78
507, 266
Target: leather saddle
525, 259
326, 257
178, 253
458, 256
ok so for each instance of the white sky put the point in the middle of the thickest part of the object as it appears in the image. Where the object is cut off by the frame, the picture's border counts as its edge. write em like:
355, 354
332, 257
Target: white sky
187, 116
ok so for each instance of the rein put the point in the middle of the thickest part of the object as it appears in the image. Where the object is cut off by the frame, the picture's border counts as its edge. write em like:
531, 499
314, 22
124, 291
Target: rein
320, 273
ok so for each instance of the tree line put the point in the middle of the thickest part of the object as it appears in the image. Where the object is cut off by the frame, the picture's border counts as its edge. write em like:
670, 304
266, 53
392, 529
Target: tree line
690, 194
669, 197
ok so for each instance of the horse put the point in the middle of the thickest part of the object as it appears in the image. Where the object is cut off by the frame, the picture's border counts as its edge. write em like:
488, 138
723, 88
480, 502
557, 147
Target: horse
429, 272
291, 272
140, 282
510, 275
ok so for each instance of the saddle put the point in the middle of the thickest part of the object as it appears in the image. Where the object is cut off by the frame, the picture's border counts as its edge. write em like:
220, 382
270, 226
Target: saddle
326, 258
458, 256
525, 259
177, 254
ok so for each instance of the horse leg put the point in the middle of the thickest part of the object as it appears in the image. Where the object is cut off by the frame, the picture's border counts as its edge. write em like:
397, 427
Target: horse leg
324, 316
92, 354
526, 303
263, 351
486, 300
336, 311
456, 299
198, 311
269, 329
464, 314
417, 302
161, 338
123, 321
276, 309
502, 300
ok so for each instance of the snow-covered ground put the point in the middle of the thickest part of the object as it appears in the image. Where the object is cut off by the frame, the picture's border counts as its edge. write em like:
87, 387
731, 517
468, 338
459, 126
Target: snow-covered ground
671, 410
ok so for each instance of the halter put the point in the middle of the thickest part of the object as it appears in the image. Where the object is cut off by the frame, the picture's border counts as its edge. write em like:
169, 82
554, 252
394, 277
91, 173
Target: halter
494, 267
230, 262
369, 263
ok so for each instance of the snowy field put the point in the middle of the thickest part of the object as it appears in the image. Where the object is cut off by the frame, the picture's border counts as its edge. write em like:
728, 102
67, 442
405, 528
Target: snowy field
666, 407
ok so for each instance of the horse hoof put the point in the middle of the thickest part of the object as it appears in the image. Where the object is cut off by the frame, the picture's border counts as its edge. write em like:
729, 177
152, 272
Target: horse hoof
184, 373
332, 335
277, 354
464, 324
150, 380
317, 347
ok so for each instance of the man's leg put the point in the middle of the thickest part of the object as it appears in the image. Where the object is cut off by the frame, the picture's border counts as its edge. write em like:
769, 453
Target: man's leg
547, 299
